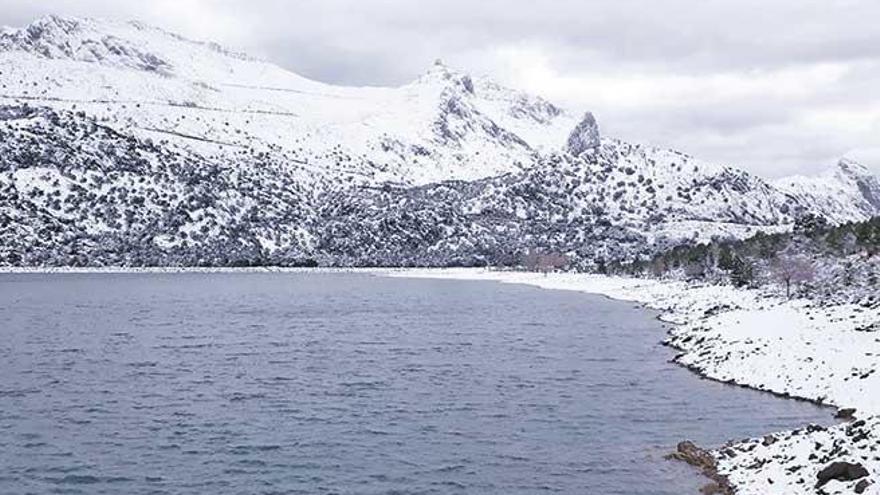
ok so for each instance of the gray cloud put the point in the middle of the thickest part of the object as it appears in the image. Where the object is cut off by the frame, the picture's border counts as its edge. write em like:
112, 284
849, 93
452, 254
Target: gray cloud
775, 86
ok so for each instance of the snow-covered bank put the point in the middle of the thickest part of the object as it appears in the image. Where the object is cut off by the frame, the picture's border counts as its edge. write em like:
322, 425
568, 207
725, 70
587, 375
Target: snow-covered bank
827, 354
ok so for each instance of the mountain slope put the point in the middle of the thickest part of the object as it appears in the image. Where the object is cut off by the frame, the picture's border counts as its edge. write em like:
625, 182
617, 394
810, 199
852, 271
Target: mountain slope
845, 193
617, 201
124, 144
75, 192
444, 125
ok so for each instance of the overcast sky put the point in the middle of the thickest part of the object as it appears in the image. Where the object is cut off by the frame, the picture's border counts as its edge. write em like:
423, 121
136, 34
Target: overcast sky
774, 86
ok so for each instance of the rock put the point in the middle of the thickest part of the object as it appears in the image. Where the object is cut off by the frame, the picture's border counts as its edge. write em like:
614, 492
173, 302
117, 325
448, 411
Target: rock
862, 486
867, 183
714, 489
688, 452
871, 328
841, 471
769, 440
860, 436
702, 459
846, 413
584, 137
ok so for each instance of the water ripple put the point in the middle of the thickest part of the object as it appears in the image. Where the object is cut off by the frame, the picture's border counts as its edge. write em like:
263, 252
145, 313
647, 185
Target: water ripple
327, 384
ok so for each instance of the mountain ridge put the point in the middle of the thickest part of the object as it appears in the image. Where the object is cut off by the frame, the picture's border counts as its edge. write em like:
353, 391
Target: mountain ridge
266, 166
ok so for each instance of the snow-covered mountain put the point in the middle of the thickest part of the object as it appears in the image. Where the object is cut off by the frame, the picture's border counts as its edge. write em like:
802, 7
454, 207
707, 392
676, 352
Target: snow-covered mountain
844, 193
122, 143
444, 125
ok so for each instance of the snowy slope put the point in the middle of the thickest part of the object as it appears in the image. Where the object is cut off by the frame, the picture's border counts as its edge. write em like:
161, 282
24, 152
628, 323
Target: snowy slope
848, 192
616, 201
444, 125
448, 169
75, 192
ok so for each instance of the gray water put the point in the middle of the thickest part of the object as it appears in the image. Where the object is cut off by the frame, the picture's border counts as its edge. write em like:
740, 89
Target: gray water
350, 384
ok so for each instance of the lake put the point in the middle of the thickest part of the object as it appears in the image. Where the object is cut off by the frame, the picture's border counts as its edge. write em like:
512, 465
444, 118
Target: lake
321, 383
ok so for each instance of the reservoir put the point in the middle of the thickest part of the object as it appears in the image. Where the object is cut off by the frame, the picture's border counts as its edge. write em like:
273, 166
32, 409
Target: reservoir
348, 383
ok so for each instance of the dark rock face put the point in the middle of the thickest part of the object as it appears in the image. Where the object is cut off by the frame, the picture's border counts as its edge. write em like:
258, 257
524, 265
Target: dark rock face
840, 471
584, 137
861, 486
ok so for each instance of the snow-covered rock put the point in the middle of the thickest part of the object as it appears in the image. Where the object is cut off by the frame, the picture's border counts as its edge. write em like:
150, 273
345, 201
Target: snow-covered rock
847, 192
584, 137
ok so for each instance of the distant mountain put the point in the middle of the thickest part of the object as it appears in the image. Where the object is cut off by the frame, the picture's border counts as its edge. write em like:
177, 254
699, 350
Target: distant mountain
121, 143
444, 125
847, 192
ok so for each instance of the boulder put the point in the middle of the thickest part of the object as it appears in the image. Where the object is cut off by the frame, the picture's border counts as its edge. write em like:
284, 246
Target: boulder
846, 413
840, 471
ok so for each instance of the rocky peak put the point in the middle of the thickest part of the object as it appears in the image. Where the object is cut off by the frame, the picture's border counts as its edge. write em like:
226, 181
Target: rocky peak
442, 74
48, 36
585, 136
847, 192
852, 168
867, 183
82, 40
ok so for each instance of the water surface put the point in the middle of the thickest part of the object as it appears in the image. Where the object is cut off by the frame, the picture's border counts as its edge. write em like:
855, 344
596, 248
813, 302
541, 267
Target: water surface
350, 384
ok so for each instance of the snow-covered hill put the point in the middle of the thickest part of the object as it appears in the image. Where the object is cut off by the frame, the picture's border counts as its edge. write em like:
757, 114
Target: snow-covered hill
844, 193
444, 125
122, 143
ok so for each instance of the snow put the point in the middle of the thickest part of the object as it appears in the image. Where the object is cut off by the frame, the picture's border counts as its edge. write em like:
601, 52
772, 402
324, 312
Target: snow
303, 151
217, 96
792, 348
281, 140
841, 191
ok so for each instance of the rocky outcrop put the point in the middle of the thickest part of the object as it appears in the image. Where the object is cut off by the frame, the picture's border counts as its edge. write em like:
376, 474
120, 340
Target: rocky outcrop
845, 189
867, 183
56, 37
584, 137
703, 460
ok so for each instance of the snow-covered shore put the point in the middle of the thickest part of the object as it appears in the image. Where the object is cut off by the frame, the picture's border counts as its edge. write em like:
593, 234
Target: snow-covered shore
827, 354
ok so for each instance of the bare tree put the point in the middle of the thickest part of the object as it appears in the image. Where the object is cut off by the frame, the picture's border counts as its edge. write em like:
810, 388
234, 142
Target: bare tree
552, 262
791, 270
540, 262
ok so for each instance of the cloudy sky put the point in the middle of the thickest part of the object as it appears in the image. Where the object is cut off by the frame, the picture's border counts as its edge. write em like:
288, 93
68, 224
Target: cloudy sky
775, 86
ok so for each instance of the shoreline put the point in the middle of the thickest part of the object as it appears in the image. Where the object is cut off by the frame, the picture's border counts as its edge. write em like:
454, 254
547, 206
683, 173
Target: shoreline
793, 349
719, 336
6, 270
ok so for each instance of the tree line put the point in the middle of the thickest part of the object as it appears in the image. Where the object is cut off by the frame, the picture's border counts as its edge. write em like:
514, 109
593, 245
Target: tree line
813, 252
